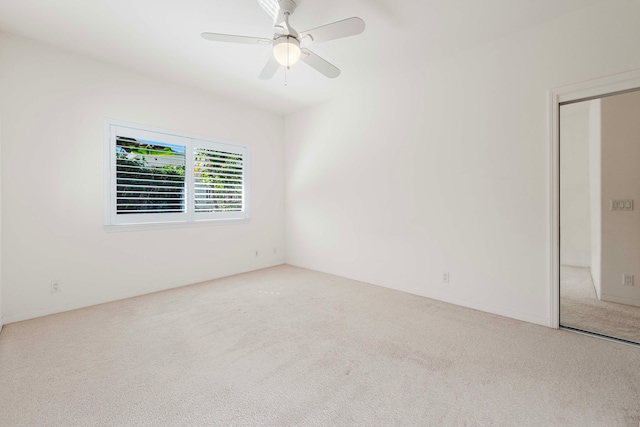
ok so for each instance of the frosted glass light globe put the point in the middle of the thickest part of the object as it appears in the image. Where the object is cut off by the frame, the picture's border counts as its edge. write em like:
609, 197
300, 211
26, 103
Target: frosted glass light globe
286, 50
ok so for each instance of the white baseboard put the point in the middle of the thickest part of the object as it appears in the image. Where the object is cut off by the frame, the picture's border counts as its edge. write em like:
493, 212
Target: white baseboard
596, 286
621, 300
575, 260
32, 314
500, 311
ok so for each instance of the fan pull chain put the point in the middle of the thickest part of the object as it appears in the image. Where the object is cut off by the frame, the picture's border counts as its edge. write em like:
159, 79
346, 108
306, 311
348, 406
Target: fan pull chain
286, 69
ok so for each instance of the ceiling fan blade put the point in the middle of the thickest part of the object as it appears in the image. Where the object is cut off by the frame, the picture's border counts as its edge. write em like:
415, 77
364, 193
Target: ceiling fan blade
319, 64
270, 68
336, 30
227, 38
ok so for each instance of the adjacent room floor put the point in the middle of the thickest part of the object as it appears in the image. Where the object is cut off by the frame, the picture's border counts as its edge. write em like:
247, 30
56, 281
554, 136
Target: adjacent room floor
288, 346
580, 307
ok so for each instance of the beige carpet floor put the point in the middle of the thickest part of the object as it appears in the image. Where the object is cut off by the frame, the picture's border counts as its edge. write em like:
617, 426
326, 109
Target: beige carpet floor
580, 307
287, 346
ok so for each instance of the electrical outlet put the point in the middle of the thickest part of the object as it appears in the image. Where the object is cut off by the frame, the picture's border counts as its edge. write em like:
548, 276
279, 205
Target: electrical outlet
445, 277
257, 253
627, 279
275, 251
55, 287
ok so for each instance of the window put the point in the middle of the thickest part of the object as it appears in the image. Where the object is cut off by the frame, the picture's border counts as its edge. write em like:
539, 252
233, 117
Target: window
156, 176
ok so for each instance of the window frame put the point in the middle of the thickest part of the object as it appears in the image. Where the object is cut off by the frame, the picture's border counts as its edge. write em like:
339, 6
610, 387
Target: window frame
115, 222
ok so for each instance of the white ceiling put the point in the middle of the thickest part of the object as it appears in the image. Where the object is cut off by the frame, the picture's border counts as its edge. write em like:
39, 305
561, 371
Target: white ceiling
162, 38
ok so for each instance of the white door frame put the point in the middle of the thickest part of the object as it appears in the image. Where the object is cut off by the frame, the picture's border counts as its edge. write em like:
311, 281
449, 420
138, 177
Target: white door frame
581, 91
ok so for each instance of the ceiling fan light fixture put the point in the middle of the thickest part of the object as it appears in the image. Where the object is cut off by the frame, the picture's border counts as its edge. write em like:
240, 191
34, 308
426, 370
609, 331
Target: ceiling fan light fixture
286, 50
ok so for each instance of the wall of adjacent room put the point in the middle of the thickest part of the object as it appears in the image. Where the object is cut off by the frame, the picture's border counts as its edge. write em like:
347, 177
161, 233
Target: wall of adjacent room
1, 319
54, 106
575, 189
595, 187
446, 167
620, 181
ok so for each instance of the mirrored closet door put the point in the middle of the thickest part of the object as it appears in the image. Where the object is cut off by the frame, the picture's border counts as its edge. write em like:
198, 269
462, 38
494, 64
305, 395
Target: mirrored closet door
600, 216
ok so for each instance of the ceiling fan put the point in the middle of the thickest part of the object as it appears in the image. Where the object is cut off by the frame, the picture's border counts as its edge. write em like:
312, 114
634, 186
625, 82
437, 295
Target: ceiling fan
288, 45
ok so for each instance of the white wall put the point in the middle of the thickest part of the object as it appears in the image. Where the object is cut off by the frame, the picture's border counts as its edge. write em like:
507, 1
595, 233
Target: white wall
54, 104
1, 319
595, 185
620, 180
575, 198
446, 167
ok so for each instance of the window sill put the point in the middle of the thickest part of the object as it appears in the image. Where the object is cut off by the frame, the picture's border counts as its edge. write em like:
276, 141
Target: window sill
176, 224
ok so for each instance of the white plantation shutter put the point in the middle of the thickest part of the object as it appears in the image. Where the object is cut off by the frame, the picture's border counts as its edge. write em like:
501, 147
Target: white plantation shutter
149, 177
158, 176
219, 180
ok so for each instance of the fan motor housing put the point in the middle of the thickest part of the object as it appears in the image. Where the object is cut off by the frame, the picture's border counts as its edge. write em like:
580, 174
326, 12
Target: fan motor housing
288, 6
